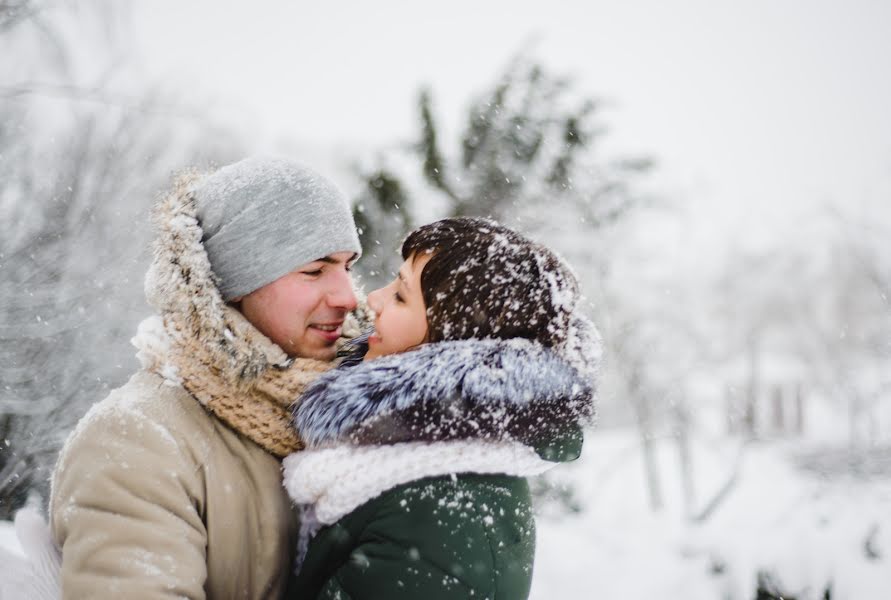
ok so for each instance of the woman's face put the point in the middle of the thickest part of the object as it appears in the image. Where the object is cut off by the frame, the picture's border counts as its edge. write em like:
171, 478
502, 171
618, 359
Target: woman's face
401, 321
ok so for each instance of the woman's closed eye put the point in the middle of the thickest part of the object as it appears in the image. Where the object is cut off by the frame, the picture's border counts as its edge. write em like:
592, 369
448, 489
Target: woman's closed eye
398, 297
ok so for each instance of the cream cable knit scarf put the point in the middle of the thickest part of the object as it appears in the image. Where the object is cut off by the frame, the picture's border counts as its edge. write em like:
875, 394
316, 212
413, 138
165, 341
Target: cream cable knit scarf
208, 347
337, 480
329, 483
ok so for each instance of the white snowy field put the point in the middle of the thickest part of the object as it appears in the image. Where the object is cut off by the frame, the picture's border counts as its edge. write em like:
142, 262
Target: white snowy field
7, 537
807, 529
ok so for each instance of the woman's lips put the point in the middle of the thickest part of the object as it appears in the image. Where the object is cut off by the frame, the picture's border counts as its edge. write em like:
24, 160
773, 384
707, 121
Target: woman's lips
374, 339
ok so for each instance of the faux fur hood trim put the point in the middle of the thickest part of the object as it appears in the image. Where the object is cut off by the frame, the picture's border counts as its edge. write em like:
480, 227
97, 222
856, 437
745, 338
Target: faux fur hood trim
180, 282
484, 389
207, 346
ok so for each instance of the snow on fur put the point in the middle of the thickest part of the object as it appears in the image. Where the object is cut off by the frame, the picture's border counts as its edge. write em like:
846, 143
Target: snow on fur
181, 286
583, 347
180, 283
490, 389
199, 341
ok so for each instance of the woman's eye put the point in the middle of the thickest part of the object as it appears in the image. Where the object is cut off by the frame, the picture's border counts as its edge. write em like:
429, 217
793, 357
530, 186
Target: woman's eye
312, 273
398, 297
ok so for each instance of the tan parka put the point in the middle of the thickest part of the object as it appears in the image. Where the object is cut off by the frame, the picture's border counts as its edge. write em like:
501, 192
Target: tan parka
154, 497
171, 486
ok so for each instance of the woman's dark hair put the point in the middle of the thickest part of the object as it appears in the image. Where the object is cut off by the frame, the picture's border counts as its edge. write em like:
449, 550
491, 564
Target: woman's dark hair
487, 281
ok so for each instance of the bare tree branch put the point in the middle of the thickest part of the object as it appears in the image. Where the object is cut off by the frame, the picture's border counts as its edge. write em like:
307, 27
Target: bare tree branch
97, 96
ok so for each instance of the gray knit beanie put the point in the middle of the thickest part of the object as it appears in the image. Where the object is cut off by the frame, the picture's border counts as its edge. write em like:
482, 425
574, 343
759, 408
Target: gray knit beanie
264, 217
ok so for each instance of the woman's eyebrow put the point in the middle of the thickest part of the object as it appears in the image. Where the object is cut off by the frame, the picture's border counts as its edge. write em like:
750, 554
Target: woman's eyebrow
403, 279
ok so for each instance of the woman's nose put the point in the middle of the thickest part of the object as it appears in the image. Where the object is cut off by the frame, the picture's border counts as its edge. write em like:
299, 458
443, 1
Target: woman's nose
374, 300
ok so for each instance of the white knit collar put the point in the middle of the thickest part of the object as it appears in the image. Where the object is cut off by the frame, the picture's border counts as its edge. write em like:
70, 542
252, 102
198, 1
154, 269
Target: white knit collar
335, 481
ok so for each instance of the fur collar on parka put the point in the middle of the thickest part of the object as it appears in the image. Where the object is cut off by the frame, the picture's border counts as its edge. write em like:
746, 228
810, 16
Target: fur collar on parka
208, 347
492, 390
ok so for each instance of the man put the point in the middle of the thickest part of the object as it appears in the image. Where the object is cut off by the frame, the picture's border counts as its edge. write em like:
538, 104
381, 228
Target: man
171, 486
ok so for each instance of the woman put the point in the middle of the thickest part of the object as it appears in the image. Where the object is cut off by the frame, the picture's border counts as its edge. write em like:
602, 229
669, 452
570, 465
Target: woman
477, 374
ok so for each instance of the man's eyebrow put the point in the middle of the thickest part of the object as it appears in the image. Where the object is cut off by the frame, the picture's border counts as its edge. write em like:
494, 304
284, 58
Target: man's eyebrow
334, 261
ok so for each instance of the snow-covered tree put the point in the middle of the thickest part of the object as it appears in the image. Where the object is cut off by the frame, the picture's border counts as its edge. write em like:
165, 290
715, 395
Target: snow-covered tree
529, 149
74, 204
849, 346
531, 141
381, 212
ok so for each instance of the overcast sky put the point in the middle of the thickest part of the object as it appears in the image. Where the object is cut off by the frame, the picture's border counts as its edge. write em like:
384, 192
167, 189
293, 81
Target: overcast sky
762, 108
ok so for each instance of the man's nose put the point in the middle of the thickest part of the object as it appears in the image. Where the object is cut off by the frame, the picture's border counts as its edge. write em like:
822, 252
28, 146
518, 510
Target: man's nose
341, 294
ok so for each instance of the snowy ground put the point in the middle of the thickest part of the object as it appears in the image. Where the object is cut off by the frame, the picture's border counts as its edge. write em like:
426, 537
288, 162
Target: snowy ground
7, 537
807, 527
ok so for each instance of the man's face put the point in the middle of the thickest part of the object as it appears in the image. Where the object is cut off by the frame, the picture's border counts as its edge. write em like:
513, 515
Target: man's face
304, 310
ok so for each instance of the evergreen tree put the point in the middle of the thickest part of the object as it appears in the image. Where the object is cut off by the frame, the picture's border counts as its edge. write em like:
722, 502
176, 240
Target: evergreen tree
382, 219
73, 247
528, 152
528, 143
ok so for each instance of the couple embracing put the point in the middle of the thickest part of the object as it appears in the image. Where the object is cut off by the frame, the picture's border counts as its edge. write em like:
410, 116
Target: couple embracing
287, 439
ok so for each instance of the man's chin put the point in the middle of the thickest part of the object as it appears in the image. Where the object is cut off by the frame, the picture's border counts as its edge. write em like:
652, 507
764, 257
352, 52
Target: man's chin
317, 352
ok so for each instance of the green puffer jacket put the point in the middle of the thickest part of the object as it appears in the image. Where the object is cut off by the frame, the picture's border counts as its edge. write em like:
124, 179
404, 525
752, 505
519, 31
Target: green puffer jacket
438, 538
413, 484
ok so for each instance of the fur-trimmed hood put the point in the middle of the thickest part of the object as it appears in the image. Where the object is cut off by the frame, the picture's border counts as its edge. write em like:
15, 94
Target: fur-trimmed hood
491, 390
200, 342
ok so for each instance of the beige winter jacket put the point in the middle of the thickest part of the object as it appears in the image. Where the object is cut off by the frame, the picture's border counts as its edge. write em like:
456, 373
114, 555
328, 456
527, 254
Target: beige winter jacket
154, 497
171, 486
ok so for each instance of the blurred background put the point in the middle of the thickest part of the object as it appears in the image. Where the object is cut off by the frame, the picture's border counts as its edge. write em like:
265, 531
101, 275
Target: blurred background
717, 173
